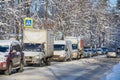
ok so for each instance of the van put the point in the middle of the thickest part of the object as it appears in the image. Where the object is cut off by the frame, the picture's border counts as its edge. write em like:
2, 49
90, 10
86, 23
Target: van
74, 42
62, 50
38, 46
11, 56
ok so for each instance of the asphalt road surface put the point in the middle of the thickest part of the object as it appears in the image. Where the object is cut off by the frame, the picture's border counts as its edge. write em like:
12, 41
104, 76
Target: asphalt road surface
95, 68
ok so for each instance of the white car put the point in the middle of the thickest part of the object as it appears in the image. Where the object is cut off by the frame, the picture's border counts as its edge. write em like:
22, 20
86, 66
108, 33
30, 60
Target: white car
111, 53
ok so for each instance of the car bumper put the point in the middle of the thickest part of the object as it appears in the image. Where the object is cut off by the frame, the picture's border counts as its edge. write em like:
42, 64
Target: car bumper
32, 60
85, 54
74, 55
58, 57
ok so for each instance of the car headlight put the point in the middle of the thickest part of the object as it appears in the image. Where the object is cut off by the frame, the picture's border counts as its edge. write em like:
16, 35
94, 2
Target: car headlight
3, 59
37, 57
62, 55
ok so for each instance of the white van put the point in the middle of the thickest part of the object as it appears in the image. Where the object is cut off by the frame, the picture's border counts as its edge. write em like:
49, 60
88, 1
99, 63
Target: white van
74, 42
38, 46
62, 50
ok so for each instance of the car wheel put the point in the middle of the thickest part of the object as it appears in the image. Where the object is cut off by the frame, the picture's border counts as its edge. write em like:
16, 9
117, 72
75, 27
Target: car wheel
9, 70
108, 56
65, 59
41, 63
47, 62
21, 67
78, 56
82, 56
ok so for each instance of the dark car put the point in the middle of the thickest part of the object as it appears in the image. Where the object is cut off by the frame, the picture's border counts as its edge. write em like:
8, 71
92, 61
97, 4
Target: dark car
94, 51
118, 51
86, 52
11, 56
104, 50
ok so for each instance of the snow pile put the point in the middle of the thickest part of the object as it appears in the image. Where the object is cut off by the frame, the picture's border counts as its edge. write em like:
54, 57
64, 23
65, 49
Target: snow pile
88, 61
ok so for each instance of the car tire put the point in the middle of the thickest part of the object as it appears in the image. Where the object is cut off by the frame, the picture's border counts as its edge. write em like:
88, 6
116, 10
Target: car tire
41, 63
47, 62
107, 56
78, 56
65, 59
9, 70
70, 59
21, 67
82, 56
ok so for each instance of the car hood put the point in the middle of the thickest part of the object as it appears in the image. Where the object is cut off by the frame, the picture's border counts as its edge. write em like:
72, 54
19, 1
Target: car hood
3, 53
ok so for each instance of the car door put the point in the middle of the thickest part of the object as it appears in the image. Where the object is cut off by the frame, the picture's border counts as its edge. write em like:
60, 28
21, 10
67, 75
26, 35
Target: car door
13, 55
16, 54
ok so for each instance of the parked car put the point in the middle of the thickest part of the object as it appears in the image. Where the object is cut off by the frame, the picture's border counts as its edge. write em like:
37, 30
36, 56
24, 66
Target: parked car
94, 52
104, 50
118, 52
85, 53
90, 51
99, 51
11, 56
111, 53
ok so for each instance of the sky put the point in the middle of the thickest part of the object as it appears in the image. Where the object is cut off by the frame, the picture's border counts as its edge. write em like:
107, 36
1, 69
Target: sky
113, 2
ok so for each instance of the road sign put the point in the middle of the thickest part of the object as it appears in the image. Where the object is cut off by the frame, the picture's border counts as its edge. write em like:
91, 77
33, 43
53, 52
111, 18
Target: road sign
28, 23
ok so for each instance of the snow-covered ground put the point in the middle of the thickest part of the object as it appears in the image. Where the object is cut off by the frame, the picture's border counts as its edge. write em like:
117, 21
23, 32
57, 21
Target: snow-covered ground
83, 69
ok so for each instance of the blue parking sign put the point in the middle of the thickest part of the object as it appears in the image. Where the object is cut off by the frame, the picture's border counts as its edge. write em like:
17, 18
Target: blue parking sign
28, 23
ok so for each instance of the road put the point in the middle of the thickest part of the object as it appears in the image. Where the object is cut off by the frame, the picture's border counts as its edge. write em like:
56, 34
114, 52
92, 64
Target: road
95, 68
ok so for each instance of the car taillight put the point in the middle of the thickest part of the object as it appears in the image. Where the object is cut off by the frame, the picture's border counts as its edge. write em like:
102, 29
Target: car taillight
3, 64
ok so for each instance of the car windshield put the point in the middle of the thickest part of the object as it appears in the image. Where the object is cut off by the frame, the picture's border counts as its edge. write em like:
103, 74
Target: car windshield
104, 49
111, 50
4, 48
32, 47
89, 50
93, 49
85, 50
99, 49
74, 46
59, 47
